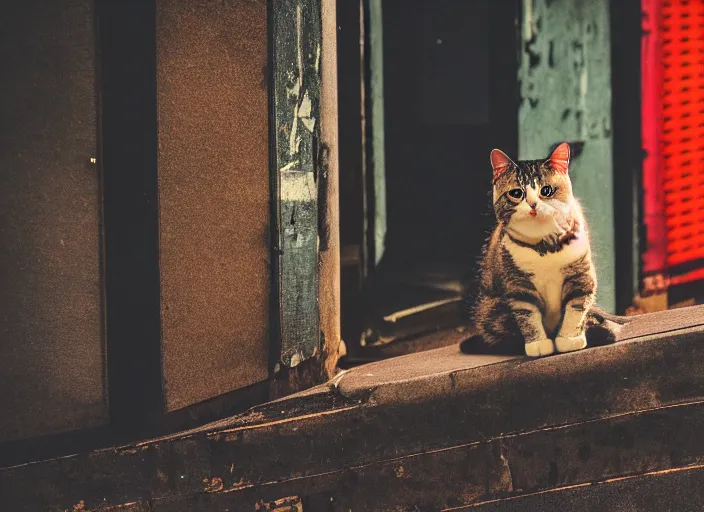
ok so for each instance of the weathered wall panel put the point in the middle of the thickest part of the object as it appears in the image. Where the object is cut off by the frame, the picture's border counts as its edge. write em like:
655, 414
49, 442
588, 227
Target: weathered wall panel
296, 32
51, 334
213, 196
565, 76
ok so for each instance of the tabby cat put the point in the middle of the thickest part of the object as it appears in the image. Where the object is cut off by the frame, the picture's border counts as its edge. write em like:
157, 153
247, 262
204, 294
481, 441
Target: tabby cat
537, 285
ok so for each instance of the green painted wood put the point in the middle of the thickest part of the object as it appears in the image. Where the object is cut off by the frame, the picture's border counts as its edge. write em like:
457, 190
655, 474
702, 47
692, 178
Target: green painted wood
376, 164
565, 75
296, 37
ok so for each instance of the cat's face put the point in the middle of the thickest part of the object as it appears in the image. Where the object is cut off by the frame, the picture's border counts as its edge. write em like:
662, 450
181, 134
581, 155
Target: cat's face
533, 198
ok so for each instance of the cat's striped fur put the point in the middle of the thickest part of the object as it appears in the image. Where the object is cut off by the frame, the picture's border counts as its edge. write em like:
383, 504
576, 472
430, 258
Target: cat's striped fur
538, 284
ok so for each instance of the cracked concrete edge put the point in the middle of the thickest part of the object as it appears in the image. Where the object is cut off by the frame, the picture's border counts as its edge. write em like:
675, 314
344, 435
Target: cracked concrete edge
411, 377
468, 372
462, 374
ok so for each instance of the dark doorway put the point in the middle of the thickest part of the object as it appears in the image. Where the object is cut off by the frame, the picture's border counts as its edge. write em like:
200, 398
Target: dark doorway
450, 96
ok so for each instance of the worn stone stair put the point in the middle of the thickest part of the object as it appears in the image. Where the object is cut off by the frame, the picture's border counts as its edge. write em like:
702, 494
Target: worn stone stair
610, 428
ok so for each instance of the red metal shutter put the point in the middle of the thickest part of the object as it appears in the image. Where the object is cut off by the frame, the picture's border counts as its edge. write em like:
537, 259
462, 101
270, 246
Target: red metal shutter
673, 135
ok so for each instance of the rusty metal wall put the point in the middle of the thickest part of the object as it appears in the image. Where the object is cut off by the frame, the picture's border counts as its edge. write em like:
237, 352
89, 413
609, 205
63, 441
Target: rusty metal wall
51, 336
213, 196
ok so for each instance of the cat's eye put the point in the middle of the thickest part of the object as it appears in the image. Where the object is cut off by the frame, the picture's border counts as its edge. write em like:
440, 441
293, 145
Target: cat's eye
515, 193
547, 191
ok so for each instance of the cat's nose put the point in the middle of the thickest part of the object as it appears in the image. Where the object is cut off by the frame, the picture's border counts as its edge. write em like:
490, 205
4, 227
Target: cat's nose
533, 204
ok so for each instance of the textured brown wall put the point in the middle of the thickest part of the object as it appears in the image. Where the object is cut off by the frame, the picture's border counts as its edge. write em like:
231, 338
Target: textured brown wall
213, 196
51, 339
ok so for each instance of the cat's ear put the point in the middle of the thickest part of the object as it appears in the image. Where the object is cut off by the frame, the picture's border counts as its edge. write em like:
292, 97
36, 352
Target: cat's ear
500, 163
560, 158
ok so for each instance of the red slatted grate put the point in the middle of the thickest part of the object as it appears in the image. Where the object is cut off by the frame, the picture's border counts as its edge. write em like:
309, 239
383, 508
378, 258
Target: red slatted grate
681, 27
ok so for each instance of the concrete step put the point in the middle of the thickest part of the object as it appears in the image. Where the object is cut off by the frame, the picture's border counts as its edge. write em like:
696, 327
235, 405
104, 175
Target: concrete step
609, 428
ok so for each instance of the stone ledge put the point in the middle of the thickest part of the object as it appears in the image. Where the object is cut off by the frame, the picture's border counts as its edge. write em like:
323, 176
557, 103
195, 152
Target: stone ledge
431, 430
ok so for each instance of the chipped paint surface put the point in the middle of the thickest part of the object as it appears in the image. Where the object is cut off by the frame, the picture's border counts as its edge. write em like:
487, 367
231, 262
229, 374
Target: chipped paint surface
296, 91
565, 76
298, 186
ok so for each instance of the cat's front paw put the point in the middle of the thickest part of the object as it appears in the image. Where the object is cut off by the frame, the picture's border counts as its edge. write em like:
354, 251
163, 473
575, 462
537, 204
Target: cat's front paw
540, 348
570, 344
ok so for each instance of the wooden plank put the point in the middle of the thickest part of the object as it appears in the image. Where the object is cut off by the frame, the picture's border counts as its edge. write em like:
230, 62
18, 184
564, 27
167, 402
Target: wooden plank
214, 197
329, 200
353, 228
296, 38
52, 352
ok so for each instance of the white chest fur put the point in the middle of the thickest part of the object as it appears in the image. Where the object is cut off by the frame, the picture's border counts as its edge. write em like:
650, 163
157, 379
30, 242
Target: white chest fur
547, 273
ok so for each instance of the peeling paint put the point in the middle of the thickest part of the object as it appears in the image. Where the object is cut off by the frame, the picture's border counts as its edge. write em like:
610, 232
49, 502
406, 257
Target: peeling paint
295, 87
304, 113
318, 53
298, 186
296, 358
294, 140
289, 166
565, 84
296, 70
